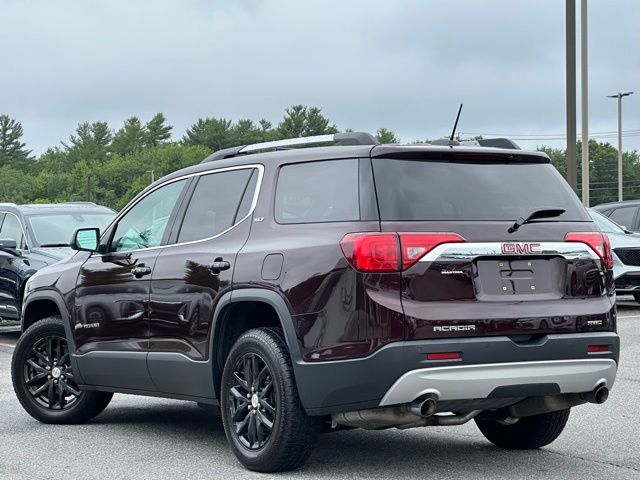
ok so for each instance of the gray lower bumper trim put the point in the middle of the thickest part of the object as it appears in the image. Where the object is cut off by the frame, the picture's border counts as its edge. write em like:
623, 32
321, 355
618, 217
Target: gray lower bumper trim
478, 381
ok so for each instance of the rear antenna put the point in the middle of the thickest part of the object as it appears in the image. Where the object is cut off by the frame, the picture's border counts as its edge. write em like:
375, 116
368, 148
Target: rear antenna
455, 126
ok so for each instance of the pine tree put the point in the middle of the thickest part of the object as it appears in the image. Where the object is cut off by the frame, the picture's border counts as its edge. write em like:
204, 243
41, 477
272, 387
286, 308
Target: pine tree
215, 133
91, 142
130, 138
12, 148
385, 135
157, 131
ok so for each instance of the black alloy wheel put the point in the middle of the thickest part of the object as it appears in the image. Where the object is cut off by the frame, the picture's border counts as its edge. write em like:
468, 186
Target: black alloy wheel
44, 380
48, 374
252, 401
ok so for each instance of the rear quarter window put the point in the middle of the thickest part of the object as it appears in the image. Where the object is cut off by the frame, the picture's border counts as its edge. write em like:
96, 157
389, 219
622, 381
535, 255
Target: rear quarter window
324, 191
431, 190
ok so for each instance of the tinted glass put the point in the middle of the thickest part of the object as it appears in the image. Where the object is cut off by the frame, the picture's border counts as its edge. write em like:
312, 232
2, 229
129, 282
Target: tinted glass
144, 225
428, 190
53, 230
247, 199
11, 229
604, 224
214, 204
318, 192
624, 216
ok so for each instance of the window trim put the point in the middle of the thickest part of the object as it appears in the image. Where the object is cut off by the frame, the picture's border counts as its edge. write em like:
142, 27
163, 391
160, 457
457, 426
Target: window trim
24, 233
110, 229
358, 192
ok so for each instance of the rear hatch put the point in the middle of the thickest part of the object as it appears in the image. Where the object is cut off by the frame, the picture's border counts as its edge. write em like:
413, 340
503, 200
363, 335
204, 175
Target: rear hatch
464, 274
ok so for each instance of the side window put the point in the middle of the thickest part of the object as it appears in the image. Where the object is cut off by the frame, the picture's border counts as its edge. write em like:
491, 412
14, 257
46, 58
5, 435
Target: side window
215, 204
12, 229
144, 225
624, 216
324, 191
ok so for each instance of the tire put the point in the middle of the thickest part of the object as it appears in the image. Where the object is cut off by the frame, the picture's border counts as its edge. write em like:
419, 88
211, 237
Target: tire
636, 296
527, 433
39, 346
293, 434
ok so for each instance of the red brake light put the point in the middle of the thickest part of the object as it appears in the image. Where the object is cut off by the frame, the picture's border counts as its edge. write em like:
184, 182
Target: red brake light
417, 245
372, 252
391, 252
599, 243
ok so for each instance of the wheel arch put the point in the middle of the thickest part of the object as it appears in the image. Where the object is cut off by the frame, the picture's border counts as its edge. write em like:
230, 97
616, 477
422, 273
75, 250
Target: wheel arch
241, 310
45, 303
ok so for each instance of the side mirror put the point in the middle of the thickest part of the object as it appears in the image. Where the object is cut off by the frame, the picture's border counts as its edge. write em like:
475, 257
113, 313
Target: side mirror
8, 244
86, 239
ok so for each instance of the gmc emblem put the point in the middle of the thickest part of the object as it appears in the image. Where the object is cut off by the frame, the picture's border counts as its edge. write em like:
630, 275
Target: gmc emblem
518, 248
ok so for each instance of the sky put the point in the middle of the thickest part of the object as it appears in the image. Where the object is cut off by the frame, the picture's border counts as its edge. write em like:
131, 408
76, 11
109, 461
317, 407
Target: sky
404, 65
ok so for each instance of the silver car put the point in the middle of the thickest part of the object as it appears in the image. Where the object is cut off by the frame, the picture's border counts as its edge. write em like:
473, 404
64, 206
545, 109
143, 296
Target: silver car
626, 255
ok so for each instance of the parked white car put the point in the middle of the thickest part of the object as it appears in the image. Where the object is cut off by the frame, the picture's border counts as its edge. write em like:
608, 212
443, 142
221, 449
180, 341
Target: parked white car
626, 255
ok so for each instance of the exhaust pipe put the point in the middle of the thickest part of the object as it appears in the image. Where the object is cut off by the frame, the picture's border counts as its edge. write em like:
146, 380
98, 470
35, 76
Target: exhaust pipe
599, 395
424, 408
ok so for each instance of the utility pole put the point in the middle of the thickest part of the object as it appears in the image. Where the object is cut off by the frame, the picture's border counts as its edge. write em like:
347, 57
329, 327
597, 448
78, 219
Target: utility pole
153, 176
619, 96
89, 188
570, 50
584, 71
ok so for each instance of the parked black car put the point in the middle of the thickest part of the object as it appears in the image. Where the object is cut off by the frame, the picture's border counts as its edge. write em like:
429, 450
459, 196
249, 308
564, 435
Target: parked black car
363, 285
32, 237
625, 213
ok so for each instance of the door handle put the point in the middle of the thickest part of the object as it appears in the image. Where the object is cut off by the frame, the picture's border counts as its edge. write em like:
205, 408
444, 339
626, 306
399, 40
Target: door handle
218, 265
141, 270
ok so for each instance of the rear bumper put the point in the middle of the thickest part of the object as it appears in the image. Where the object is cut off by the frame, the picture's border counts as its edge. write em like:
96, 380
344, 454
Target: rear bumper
489, 367
503, 380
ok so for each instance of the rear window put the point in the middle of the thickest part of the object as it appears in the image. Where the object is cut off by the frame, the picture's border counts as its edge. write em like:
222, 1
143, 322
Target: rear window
430, 190
324, 191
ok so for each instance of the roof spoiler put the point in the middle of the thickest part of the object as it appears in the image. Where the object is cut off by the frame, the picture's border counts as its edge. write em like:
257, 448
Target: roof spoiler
348, 138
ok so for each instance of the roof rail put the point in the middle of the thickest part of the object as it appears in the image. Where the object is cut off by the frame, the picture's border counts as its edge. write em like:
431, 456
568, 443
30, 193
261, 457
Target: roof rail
348, 138
93, 204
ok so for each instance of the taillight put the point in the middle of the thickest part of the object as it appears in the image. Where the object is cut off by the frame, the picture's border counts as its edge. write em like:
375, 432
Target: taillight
372, 252
599, 243
391, 252
417, 245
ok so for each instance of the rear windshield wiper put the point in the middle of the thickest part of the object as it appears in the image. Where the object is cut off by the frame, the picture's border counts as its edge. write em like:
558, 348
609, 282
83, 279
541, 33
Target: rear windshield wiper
536, 214
51, 245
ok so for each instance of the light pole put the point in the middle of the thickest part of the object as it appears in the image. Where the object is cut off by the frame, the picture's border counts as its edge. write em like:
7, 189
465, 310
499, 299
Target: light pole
584, 70
619, 96
570, 52
153, 176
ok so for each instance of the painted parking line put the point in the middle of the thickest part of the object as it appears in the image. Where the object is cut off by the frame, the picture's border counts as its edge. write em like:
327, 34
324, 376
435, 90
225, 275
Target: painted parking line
7, 345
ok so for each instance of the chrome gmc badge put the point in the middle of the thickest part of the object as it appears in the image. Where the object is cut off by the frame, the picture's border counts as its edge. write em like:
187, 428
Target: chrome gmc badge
519, 248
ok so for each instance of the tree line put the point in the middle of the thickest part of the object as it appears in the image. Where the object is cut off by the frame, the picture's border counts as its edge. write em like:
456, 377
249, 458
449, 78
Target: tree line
109, 166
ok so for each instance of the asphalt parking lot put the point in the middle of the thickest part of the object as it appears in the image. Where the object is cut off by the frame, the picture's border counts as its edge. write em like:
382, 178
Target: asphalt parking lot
142, 438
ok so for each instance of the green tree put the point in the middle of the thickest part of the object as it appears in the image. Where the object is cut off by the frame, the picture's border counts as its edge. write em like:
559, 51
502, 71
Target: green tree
157, 131
215, 133
12, 148
384, 135
16, 186
91, 142
302, 121
132, 137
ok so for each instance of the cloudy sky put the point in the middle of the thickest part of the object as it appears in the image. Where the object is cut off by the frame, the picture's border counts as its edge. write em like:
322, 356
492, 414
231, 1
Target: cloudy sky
404, 65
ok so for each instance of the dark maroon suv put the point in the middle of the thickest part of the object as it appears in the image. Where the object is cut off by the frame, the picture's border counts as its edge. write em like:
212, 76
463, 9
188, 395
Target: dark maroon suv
352, 285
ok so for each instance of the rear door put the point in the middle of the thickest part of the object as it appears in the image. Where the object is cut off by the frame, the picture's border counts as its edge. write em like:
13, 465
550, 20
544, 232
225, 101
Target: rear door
192, 273
464, 274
